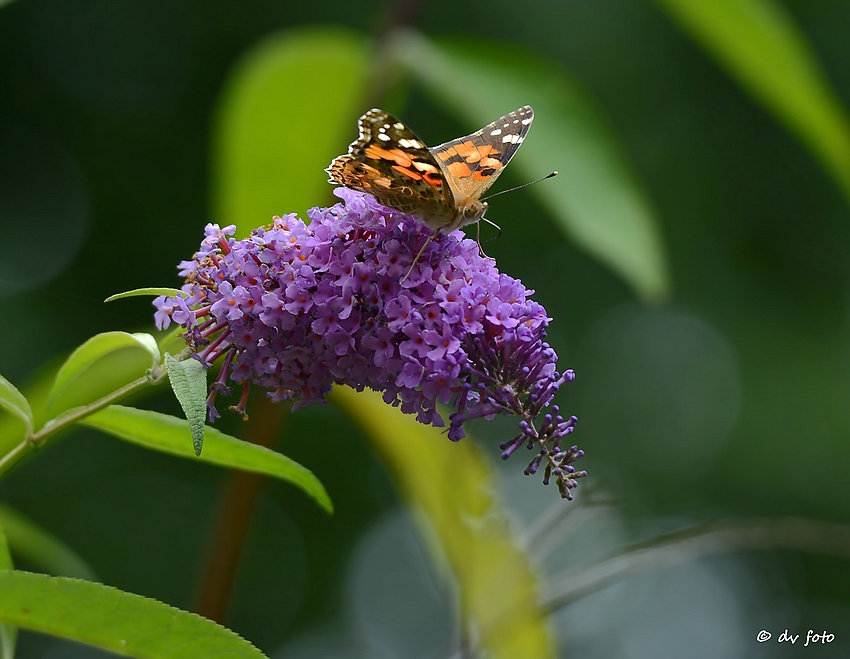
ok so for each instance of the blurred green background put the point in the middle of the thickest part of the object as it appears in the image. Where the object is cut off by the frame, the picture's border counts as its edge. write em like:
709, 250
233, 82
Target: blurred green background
728, 398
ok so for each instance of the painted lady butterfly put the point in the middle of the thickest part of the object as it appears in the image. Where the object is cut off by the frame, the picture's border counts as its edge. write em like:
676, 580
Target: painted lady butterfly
441, 185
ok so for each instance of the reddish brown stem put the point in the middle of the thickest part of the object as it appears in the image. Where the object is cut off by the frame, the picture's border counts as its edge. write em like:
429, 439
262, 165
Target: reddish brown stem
234, 518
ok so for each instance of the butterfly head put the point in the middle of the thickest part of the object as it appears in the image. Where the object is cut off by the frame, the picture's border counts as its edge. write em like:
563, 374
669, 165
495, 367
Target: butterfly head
469, 211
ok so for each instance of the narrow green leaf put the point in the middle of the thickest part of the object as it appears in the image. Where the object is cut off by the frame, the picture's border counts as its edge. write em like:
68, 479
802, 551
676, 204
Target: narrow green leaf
161, 432
453, 486
12, 427
41, 548
759, 43
16, 403
137, 292
595, 199
283, 114
149, 341
189, 382
8, 633
101, 365
126, 624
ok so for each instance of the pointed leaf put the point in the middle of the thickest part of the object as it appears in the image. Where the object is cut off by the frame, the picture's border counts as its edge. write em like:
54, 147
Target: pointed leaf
41, 548
126, 624
452, 485
101, 365
14, 401
759, 43
595, 199
189, 382
8, 633
137, 292
283, 114
165, 433
11, 427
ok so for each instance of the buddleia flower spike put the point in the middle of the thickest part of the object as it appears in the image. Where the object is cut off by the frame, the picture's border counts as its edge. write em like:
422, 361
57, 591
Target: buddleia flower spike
298, 308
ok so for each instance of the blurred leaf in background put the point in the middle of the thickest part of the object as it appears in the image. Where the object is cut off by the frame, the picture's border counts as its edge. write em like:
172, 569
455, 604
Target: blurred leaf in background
595, 200
283, 114
759, 43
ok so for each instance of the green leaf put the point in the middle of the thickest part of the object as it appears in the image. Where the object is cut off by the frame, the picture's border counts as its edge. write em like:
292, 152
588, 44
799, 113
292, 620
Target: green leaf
161, 432
12, 428
283, 114
8, 634
126, 624
759, 43
173, 342
189, 382
14, 401
595, 199
137, 292
101, 365
452, 485
41, 548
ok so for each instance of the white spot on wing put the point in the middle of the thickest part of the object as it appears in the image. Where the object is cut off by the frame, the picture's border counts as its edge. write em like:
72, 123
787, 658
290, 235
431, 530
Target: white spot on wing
498, 131
384, 137
513, 139
398, 126
525, 122
410, 144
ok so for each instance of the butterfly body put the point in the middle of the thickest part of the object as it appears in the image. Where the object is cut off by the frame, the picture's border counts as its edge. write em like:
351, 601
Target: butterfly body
441, 185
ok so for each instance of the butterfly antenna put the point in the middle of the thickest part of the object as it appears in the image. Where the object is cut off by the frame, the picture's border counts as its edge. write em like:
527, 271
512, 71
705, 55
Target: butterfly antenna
416, 260
520, 187
493, 224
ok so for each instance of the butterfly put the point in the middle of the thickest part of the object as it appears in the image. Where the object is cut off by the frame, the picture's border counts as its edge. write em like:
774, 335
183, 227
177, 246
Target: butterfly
441, 185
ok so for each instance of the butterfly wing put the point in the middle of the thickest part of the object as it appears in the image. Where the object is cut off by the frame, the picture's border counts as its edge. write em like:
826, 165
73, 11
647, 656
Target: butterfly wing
472, 164
390, 162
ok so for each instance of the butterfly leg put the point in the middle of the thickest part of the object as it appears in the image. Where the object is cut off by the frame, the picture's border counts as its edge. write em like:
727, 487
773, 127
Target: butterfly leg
418, 256
478, 235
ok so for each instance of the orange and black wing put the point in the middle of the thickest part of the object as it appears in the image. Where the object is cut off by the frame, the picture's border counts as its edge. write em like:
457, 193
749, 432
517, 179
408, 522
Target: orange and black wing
389, 161
472, 164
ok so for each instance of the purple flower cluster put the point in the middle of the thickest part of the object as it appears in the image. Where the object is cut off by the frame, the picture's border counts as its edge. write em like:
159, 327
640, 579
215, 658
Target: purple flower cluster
296, 308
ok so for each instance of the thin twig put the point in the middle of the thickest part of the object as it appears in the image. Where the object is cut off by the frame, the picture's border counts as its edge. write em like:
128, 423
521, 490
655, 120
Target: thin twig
549, 526
722, 536
69, 418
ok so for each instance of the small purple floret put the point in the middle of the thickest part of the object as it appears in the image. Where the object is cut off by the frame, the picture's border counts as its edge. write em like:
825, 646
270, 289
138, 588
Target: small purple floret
298, 308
